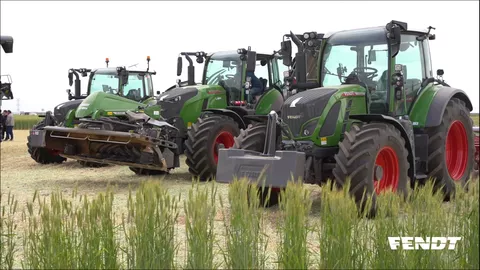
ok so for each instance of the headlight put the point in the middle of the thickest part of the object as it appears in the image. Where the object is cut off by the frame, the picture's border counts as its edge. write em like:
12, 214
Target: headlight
310, 128
306, 35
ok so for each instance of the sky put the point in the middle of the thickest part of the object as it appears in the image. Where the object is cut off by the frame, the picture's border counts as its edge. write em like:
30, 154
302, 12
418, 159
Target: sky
52, 37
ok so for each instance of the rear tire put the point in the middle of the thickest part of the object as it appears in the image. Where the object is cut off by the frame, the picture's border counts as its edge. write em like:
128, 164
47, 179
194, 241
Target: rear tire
451, 134
253, 138
141, 171
369, 152
43, 155
202, 142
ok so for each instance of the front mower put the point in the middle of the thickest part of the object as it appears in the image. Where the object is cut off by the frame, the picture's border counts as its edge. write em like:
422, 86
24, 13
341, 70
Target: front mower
380, 119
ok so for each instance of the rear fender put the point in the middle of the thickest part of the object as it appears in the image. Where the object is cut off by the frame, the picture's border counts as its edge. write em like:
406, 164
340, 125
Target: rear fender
235, 116
367, 118
428, 109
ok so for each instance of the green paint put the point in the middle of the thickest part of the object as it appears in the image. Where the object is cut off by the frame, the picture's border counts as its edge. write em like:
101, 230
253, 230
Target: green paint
107, 102
192, 108
264, 105
69, 118
418, 114
344, 93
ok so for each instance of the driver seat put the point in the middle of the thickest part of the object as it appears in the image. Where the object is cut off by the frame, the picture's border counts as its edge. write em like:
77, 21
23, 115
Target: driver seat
134, 94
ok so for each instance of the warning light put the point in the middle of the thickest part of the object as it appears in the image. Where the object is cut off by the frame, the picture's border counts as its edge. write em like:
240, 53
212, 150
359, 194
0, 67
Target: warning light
107, 60
148, 58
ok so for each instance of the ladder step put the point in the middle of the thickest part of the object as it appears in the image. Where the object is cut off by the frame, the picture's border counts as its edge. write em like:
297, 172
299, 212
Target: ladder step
421, 176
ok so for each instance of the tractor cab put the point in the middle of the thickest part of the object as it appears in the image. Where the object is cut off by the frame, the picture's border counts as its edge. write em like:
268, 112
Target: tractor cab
131, 84
246, 76
390, 63
135, 85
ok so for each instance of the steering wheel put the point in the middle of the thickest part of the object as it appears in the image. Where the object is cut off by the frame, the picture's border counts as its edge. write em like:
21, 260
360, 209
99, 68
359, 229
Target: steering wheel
363, 70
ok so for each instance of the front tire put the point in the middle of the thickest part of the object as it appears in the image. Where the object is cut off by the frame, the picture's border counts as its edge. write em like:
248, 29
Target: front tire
43, 155
451, 148
253, 139
374, 156
203, 139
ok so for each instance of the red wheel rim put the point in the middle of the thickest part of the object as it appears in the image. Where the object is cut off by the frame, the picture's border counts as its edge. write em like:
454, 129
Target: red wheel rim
225, 138
456, 150
386, 171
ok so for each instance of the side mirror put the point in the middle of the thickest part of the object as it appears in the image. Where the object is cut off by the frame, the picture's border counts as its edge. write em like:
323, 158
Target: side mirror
286, 52
123, 73
395, 36
179, 66
251, 61
69, 93
440, 72
70, 78
372, 56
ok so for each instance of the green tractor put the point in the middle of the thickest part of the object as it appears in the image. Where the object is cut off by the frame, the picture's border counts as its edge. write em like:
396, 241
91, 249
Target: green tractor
379, 118
111, 92
218, 126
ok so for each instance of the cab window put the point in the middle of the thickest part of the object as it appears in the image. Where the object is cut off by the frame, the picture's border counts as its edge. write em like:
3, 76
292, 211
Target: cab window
134, 88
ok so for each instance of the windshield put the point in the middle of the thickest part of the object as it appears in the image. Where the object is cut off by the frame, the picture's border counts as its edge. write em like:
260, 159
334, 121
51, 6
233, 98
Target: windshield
109, 83
364, 63
228, 71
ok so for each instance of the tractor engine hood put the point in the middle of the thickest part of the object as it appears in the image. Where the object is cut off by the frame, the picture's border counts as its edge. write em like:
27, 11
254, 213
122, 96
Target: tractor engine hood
61, 110
305, 106
172, 101
106, 102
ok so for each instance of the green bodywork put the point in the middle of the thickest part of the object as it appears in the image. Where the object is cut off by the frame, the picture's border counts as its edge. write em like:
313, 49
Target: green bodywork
357, 107
104, 102
216, 98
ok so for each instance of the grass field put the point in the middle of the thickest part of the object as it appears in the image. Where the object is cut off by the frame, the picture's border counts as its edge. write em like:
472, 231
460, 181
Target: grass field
66, 216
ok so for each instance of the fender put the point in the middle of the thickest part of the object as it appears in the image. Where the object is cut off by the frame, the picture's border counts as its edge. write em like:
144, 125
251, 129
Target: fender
388, 119
235, 116
439, 103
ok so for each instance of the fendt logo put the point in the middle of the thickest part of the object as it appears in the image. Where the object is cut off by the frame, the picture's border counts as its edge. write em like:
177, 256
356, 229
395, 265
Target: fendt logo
429, 243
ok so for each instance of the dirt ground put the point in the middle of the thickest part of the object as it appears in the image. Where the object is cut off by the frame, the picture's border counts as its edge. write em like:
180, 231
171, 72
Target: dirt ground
21, 176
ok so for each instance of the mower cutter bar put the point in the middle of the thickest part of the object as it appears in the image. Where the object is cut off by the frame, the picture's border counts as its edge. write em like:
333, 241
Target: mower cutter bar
107, 147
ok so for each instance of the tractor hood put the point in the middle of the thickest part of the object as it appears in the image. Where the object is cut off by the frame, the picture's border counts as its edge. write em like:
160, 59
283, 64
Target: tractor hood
173, 101
106, 102
61, 110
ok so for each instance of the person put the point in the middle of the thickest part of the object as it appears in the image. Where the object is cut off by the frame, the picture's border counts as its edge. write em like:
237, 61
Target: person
10, 123
4, 123
257, 85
